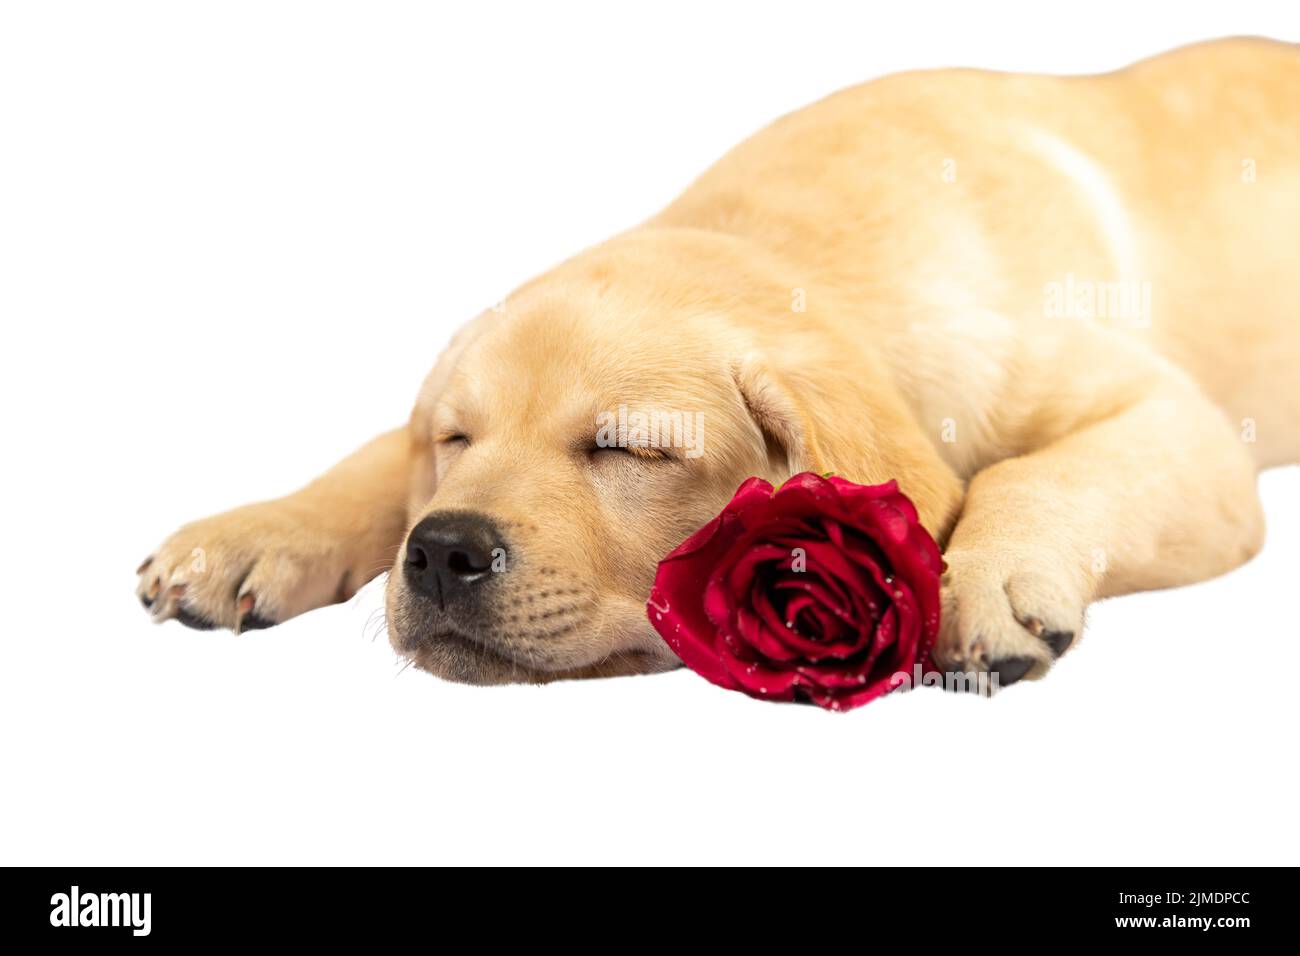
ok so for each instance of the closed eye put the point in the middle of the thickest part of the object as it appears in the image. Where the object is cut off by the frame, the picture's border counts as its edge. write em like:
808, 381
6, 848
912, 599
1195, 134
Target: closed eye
643, 453
452, 438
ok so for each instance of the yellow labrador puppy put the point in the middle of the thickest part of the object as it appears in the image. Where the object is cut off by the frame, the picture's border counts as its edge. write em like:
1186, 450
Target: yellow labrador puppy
1063, 312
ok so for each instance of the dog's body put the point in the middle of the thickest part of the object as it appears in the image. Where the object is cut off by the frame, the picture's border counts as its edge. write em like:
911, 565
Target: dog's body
1063, 312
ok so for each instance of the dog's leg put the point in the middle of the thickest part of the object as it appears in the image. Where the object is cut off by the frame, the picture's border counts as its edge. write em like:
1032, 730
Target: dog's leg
1156, 492
266, 562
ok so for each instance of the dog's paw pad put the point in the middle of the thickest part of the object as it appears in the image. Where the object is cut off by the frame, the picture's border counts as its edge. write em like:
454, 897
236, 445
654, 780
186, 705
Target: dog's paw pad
1011, 669
1004, 618
190, 619
1057, 641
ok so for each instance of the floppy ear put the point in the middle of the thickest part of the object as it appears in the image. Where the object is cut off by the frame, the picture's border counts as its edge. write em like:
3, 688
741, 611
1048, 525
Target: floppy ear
852, 423
779, 420
423, 468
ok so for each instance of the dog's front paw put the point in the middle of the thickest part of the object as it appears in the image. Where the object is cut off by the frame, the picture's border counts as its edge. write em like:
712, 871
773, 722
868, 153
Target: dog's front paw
1008, 615
246, 569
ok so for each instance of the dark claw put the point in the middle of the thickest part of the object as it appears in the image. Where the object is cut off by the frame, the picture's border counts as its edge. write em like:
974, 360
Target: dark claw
1058, 641
190, 619
1011, 669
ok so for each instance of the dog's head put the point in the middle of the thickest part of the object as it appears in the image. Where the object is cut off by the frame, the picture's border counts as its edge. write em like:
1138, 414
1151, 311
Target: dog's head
569, 440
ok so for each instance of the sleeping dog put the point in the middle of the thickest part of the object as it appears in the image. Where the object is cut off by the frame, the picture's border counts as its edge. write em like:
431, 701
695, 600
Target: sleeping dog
1064, 312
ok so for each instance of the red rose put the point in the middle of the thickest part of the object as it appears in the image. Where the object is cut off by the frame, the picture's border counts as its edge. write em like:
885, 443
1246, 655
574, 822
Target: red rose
821, 590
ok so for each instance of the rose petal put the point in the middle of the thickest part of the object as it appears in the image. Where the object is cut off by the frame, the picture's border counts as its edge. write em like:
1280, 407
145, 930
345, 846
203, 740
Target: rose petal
865, 606
758, 679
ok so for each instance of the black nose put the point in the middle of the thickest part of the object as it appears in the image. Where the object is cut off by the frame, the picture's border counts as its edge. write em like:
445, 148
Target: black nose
449, 553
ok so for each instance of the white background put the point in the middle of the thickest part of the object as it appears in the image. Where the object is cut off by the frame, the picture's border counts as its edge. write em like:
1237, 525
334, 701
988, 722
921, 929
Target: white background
233, 238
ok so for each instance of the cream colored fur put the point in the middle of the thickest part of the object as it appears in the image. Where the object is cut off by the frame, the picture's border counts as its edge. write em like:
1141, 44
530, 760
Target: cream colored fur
881, 285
